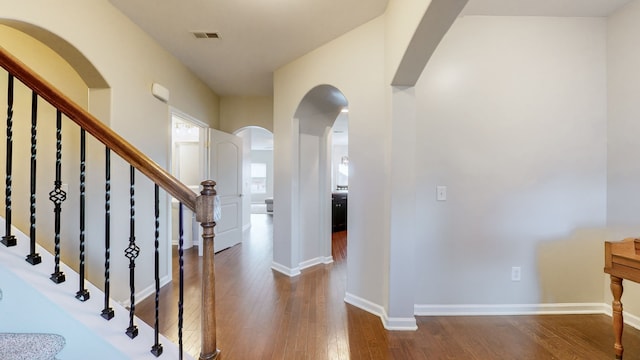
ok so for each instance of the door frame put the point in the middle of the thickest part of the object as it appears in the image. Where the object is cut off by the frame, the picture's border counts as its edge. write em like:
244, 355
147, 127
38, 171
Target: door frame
203, 131
214, 139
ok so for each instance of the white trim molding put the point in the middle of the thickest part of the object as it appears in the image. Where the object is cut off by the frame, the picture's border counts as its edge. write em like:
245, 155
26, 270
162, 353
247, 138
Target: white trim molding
316, 261
285, 270
311, 262
398, 324
510, 309
629, 319
145, 293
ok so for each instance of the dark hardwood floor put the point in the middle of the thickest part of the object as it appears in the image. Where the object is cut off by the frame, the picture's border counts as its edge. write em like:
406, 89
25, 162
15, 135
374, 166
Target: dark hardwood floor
262, 314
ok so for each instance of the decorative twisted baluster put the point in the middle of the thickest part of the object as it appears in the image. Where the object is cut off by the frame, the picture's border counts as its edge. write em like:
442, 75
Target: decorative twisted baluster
8, 239
132, 253
181, 278
33, 258
82, 294
107, 312
156, 349
58, 196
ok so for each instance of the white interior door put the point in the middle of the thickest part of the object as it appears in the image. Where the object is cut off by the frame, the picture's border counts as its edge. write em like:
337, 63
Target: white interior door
225, 168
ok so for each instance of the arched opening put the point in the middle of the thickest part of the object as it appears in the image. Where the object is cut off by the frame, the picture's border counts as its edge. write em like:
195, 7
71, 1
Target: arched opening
64, 66
317, 180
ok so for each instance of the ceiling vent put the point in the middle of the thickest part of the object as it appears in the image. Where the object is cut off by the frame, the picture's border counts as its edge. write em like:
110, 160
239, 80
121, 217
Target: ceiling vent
206, 35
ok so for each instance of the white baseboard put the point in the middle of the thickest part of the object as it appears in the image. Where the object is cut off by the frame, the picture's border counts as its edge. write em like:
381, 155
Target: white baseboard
409, 323
175, 242
316, 261
285, 270
309, 263
400, 324
629, 319
509, 309
148, 291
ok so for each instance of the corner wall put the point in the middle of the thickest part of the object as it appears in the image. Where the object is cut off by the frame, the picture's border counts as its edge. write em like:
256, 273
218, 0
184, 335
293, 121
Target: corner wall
623, 170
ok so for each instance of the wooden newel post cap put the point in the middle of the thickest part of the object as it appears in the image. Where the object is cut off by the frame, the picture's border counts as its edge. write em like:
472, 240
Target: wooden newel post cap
205, 202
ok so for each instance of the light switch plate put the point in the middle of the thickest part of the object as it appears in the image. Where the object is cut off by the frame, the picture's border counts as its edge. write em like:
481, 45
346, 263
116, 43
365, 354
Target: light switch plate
441, 193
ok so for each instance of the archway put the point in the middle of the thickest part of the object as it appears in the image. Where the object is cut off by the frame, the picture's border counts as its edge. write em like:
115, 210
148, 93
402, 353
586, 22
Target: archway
64, 66
315, 117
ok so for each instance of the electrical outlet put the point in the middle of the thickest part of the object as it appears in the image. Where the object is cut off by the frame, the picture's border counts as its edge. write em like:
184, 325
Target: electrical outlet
515, 273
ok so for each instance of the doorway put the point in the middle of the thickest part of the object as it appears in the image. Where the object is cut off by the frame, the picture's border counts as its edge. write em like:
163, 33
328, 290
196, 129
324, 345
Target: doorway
322, 119
187, 165
258, 164
198, 153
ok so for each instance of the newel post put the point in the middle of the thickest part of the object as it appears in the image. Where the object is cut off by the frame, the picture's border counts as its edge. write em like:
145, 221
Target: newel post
205, 215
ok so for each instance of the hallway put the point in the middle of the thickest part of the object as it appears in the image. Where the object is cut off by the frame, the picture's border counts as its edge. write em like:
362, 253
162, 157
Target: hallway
262, 314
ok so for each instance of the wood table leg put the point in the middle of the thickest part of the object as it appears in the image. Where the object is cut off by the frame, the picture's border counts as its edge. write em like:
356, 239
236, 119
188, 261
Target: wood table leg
616, 290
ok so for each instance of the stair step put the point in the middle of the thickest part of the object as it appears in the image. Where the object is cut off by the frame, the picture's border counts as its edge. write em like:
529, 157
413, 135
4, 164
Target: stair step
61, 296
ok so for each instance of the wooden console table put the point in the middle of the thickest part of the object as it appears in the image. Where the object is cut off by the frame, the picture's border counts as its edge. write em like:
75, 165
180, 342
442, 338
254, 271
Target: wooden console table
621, 261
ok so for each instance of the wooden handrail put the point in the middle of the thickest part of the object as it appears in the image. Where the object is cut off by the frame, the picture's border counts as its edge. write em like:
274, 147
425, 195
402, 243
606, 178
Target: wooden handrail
99, 130
202, 205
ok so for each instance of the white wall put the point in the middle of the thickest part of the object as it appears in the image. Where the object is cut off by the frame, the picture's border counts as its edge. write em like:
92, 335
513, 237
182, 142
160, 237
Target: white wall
311, 202
512, 119
623, 201
130, 61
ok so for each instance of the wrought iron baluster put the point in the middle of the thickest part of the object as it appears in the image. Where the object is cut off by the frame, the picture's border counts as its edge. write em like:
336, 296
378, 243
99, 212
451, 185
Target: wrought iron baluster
181, 278
33, 258
82, 294
8, 239
132, 253
107, 312
58, 196
156, 349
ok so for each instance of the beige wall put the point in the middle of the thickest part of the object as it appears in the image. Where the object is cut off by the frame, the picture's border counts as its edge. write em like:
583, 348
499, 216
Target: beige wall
401, 20
623, 202
354, 64
51, 66
513, 122
130, 62
512, 119
237, 112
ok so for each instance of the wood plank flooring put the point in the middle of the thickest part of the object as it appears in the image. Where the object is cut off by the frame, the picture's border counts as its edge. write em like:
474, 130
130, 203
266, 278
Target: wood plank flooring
265, 315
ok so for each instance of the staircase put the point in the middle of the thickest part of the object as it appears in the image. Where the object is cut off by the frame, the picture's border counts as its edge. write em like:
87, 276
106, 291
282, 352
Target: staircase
68, 291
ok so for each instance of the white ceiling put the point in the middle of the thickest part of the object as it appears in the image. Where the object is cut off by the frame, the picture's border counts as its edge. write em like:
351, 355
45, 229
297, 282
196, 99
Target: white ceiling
259, 36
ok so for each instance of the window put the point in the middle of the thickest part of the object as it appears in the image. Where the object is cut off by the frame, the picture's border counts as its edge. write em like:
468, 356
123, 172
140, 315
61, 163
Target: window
258, 178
